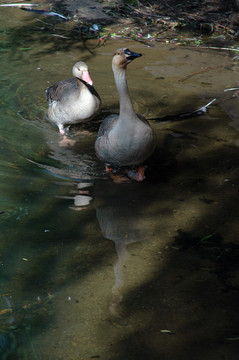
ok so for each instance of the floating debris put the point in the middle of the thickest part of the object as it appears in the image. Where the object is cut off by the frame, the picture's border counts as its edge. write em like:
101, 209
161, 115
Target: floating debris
231, 89
166, 331
5, 311
25, 49
19, 5
94, 27
203, 109
45, 12
206, 237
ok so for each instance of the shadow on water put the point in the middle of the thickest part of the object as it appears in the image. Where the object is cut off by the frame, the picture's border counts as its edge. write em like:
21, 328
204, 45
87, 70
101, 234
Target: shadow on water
35, 32
51, 34
170, 294
188, 306
173, 293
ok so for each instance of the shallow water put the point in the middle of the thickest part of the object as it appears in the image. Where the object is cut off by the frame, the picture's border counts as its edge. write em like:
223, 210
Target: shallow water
92, 269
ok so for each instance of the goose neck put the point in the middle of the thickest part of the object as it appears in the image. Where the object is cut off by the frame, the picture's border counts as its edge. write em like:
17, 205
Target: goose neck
126, 108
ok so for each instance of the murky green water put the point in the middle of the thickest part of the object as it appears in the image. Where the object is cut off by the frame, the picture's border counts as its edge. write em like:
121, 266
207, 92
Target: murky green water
91, 269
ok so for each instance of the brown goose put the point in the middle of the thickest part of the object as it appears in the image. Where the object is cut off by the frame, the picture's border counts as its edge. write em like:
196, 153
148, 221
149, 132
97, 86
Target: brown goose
127, 139
74, 100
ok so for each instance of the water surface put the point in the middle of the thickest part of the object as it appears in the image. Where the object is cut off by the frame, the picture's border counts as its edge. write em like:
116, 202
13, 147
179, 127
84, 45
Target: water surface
92, 269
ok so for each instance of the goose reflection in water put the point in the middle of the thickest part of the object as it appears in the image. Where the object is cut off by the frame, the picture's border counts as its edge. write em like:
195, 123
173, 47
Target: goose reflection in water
121, 209
80, 196
122, 219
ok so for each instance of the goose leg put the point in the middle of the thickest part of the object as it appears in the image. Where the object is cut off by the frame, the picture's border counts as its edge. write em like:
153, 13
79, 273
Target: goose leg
117, 178
61, 129
65, 142
137, 173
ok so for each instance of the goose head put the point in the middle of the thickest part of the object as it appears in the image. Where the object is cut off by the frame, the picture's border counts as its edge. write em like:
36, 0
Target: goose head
80, 71
122, 57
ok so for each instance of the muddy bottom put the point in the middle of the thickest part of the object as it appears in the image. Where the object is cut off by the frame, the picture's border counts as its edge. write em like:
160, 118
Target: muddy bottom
91, 269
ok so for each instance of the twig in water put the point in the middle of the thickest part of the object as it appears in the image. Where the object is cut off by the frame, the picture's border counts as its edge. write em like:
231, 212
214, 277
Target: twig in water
202, 71
217, 48
51, 25
202, 110
135, 11
170, 7
60, 36
102, 41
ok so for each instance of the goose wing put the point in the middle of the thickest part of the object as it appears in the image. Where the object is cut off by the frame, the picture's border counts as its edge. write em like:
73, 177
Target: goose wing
107, 124
60, 89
